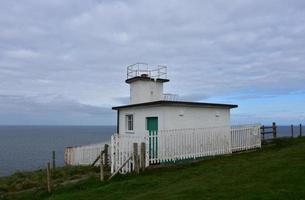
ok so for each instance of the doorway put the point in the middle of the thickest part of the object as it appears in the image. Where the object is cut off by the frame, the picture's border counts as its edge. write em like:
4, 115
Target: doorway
152, 127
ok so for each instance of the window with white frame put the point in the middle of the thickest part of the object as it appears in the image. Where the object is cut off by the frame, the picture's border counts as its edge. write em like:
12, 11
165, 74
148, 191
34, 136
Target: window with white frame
129, 122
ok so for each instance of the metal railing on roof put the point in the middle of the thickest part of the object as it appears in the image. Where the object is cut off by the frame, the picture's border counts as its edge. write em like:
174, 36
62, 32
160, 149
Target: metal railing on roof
143, 69
170, 97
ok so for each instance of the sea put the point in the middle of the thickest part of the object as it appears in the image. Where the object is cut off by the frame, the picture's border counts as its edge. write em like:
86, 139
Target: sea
27, 148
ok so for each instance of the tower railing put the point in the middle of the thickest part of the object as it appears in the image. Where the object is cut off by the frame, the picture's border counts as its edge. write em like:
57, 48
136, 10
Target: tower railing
143, 69
170, 97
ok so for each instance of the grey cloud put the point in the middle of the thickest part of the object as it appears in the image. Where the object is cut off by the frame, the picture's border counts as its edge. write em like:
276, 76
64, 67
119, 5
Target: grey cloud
51, 110
192, 97
122, 100
78, 50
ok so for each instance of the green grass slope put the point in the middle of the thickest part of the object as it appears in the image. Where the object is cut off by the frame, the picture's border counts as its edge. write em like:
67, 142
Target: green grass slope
276, 172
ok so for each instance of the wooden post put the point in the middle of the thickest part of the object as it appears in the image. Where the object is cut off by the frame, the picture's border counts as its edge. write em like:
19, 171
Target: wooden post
106, 161
49, 178
143, 152
274, 130
135, 158
101, 167
300, 130
53, 160
291, 130
121, 167
263, 128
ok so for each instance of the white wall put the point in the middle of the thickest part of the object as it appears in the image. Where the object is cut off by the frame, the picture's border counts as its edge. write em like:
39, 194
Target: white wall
175, 117
145, 91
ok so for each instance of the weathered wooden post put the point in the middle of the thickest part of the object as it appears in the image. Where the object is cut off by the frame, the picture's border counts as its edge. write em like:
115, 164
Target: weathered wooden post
291, 130
300, 130
143, 152
106, 161
66, 153
274, 130
101, 167
49, 186
135, 158
263, 131
53, 160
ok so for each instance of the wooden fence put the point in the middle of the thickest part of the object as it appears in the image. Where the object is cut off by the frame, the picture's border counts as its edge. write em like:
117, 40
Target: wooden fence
266, 130
122, 149
83, 155
245, 137
172, 145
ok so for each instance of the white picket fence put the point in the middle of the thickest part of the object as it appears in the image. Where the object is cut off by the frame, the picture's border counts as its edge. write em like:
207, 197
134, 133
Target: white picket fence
121, 149
172, 145
83, 155
245, 137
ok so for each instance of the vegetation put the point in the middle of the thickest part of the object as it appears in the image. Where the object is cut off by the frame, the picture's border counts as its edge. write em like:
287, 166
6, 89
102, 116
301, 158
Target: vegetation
37, 179
275, 172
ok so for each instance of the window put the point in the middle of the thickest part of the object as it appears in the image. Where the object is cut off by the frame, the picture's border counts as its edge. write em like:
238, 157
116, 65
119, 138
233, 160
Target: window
129, 122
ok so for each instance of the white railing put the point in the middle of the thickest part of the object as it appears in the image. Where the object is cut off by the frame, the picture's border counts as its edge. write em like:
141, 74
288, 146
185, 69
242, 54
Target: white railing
245, 137
139, 69
83, 155
170, 97
122, 149
172, 145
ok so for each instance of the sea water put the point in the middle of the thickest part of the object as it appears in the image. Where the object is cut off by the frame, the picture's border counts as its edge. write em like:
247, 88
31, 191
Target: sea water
25, 148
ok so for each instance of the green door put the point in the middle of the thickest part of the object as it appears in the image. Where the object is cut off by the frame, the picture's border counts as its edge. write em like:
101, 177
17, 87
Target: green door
152, 124
152, 127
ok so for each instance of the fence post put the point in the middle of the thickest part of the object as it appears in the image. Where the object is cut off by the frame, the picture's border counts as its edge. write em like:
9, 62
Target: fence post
135, 158
101, 167
300, 130
66, 156
143, 152
53, 160
147, 149
274, 130
291, 130
106, 161
49, 177
263, 127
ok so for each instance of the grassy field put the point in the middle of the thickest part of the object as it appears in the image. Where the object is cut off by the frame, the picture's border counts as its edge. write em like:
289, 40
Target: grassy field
21, 181
275, 172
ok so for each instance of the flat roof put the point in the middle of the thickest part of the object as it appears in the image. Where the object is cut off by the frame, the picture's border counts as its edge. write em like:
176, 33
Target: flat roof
146, 78
177, 103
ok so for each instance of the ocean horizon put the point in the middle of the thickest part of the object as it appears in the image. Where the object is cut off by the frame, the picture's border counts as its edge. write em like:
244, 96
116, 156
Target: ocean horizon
29, 147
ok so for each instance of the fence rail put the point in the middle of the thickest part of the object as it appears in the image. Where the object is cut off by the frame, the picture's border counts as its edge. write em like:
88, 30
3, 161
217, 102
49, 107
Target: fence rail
170, 97
122, 149
83, 155
265, 130
169, 146
173, 145
245, 137
139, 69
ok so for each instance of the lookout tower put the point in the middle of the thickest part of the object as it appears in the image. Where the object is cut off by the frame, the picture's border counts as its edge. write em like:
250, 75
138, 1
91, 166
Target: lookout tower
146, 84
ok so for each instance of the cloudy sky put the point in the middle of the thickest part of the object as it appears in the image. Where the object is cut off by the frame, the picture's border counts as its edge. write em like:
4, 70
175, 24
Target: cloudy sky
64, 62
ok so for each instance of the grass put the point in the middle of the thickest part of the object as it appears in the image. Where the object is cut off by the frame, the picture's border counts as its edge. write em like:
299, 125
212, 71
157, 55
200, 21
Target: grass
37, 179
275, 172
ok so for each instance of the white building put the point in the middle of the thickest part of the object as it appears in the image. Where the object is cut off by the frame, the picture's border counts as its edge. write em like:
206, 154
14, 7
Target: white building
151, 109
170, 130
